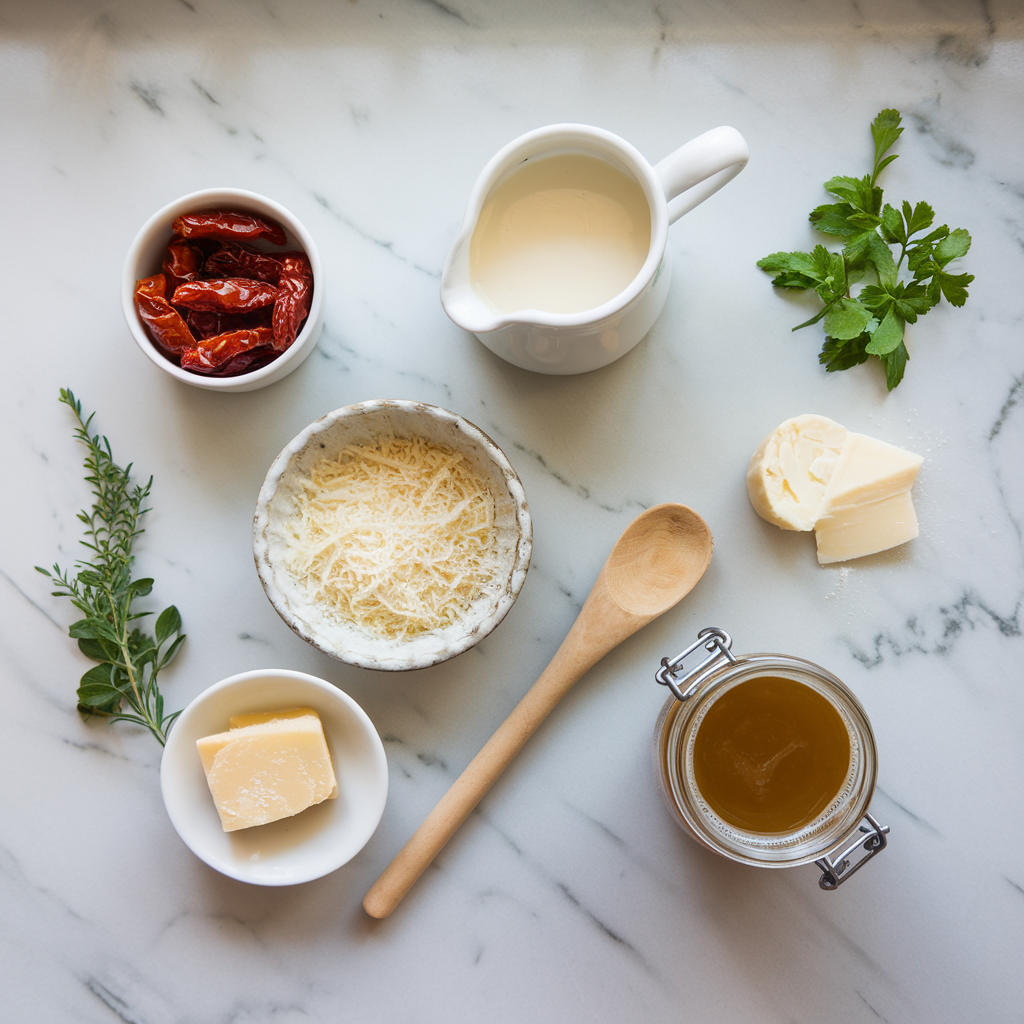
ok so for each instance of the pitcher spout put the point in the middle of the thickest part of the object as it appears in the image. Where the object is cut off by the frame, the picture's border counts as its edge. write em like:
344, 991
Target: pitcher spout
461, 301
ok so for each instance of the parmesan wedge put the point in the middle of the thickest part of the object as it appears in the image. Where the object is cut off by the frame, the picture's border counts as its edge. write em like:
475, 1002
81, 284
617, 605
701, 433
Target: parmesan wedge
270, 769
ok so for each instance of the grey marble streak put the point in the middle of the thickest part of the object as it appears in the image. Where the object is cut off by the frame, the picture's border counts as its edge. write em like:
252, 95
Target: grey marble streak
570, 894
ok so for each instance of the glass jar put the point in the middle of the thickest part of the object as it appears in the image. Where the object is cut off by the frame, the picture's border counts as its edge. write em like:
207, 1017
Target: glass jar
832, 838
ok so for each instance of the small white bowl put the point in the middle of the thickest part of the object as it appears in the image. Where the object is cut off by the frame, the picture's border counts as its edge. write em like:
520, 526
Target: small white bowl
292, 850
361, 424
144, 258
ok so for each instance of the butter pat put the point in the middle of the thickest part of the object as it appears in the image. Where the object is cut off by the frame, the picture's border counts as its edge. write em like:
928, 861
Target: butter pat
851, 489
788, 474
269, 766
868, 470
866, 529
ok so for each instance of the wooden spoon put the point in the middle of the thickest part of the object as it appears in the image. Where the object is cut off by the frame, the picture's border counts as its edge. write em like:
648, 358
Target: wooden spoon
656, 562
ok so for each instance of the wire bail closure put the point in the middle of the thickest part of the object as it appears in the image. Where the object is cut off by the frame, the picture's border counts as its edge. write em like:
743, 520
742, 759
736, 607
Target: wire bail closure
836, 869
712, 639
870, 837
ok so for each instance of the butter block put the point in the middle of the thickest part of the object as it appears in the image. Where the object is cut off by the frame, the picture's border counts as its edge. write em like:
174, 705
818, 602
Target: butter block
270, 769
866, 528
868, 470
788, 474
811, 473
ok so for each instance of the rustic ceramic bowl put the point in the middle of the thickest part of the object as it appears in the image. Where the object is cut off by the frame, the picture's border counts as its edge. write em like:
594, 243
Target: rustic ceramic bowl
298, 849
144, 259
361, 424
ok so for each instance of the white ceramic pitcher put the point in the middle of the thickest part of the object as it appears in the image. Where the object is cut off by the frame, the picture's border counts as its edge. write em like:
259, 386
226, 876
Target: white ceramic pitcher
566, 343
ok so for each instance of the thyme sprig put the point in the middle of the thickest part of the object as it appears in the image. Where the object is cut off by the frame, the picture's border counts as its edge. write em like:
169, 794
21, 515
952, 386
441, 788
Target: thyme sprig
104, 591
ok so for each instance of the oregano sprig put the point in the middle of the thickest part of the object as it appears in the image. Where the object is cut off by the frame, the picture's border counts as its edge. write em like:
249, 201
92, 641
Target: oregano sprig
103, 590
905, 287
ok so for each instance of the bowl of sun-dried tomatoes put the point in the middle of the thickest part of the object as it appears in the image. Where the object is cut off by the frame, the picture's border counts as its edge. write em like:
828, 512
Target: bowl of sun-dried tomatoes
222, 289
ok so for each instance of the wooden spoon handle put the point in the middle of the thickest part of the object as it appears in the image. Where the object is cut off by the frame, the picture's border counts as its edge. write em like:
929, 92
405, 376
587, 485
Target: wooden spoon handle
579, 651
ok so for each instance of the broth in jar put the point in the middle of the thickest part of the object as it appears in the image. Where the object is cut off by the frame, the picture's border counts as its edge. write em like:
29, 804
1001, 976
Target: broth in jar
770, 755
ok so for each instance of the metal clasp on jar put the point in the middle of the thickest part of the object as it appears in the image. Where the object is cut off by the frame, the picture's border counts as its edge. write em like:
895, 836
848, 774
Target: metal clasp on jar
712, 639
836, 869
837, 866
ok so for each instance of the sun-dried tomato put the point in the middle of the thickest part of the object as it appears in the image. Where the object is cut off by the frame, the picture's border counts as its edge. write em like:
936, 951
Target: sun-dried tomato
295, 292
228, 225
164, 323
234, 259
182, 262
212, 353
239, 307
246, 362
227, 295
204, 324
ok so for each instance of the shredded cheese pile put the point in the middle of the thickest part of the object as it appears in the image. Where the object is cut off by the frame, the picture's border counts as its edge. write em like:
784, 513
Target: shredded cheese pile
396, 536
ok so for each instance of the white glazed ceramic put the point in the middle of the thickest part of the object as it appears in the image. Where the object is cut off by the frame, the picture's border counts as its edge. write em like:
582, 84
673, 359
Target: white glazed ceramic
565, 343
361, 424
147, 251
292, 850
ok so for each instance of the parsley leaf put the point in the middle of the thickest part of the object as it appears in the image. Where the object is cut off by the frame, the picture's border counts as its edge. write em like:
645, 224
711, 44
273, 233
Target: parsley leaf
841, 355
873, 321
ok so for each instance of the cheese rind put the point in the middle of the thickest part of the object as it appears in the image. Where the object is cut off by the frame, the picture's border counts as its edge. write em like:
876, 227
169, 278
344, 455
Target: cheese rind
788, 474
268, 770
866, 529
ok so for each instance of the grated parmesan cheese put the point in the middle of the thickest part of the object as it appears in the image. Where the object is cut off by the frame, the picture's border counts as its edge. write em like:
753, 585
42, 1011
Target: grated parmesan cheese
397, 536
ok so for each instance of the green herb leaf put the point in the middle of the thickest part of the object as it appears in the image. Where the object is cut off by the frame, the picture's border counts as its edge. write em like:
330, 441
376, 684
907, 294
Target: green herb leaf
793, 269
880, 256
168, 623
858, 192
831, 273
893, 227
954, 286
104, 592
841, 355
98, 650
918, 218
834, 219
847, 319
885, 130
956, 243
887, 335
895, 363
96, 692
814, 319
171, 651
872, 322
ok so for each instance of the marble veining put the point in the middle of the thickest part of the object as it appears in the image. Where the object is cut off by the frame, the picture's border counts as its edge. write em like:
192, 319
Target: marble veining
569, 894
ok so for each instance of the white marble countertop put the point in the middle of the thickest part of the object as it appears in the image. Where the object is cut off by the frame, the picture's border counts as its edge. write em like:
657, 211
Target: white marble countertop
571, 895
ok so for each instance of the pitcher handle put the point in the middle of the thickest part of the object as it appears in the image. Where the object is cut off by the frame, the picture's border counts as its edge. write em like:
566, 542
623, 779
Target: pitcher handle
700, 168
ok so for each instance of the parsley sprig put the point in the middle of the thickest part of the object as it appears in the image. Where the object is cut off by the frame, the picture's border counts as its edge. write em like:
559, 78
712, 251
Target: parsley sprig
103, 590
907, 285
